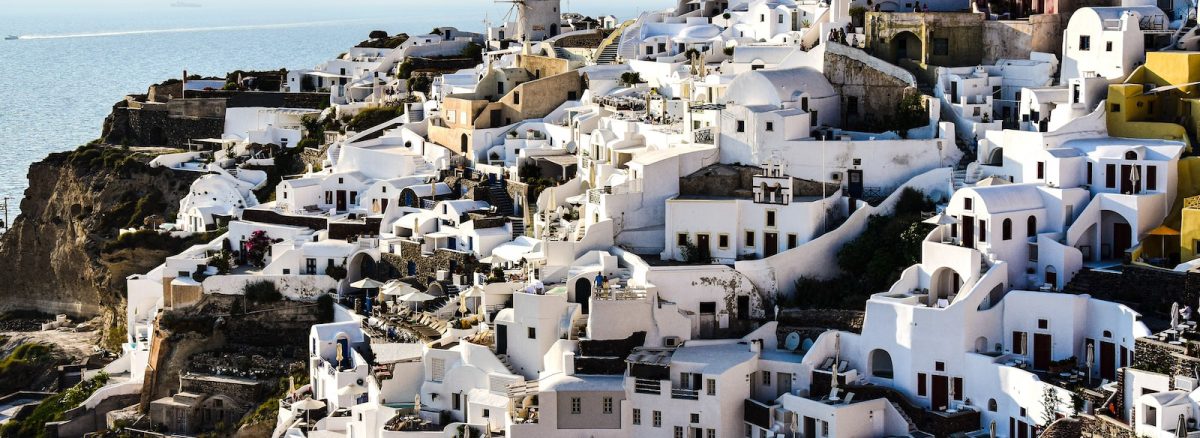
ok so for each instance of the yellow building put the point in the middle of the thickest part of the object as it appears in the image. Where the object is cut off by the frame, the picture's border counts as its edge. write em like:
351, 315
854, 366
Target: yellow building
1158, 100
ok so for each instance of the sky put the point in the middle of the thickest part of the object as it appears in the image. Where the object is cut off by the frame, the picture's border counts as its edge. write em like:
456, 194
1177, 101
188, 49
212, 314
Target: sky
278, 11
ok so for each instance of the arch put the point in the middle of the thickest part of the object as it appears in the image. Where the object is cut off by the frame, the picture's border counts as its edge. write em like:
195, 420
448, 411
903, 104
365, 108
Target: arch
1031, 226
881, 364
1107, 334
1006, 229
464, 141
981, 345
992, 405
1131, 155
996, 157
943, 283
583, 293
1052, 277
553, 29
906, 45
361, 265
435, 289
408, 144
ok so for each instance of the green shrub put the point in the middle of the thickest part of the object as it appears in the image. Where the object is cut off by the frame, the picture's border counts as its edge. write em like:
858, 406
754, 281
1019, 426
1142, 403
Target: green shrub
372, 117
52, 408
262, 292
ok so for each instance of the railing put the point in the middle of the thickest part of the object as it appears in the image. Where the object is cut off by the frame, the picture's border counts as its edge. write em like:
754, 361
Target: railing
685, 394
647, 386
704, 136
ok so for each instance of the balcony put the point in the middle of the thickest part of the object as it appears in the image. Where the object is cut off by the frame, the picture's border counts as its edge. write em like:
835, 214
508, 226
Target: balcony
647, 386
685, 394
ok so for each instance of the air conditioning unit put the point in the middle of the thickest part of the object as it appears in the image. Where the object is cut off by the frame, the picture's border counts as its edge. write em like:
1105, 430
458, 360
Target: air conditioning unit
671, 341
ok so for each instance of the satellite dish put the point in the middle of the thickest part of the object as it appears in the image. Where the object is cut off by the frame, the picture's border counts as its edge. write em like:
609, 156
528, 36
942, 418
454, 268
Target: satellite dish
792, 341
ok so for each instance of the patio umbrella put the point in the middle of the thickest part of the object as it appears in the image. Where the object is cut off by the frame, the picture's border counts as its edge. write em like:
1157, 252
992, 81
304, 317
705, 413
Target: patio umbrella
837, 356
1181, 428
1174, 315
366, 283
941, 219
352, 389
307, 405
1134, 176
1162, 232
398, 288
992, 430
416, 297
474, 292
417, 403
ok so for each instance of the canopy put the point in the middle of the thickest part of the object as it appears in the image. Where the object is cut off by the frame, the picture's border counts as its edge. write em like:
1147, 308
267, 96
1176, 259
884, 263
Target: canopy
1163, 230
416, 296
366, 283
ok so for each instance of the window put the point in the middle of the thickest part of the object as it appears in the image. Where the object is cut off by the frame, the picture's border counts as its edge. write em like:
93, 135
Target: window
1110, 176
1151, 415
532, 333
741, 126
723, 241
992, 405
1108, 46
1151, 177
982, 230
1116, 108
608, 405
1085, 43
711, 386
1006, 229
766, 378
1041, 170
1043, 324
941, 46
749, 238
637, 417
824, 428
456, 401
657, 418
710, 433
516, 98
1089, 172
940, 366
681, 239
770, 126
576, 405
780, 18
967, 204
792, 241
310, 266
678, 431
1018, 343
762, 18
770, 218
852, 105
920, 384
695, 418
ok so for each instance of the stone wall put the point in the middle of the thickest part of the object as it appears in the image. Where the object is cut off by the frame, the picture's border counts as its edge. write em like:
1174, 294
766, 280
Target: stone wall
425, 266
887, 32
155, 127
273, 217
1063, 428
245, 391
1015, 39
1096, 426
876, 87
1147, 290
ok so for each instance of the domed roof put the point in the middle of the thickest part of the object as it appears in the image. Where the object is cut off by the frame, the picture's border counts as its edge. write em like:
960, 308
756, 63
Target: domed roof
777, 86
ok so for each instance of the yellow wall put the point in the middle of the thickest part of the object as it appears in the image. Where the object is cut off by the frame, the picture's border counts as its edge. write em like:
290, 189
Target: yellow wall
1188, 220
1131, 119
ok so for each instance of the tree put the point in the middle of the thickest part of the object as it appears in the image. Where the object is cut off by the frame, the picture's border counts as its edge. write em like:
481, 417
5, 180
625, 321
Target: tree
336, 272
631, 78
377, 34
1050, 404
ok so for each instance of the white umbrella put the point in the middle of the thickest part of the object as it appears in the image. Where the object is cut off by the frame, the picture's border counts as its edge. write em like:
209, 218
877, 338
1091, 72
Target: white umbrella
352, 389
1134, 177
398, 288
992, 429
307, 405
837, 356
941, 219
366, 283
416, 297
1174, 316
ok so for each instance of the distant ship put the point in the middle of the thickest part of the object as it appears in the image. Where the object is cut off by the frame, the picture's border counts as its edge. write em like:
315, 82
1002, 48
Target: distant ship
11, 37
185, 5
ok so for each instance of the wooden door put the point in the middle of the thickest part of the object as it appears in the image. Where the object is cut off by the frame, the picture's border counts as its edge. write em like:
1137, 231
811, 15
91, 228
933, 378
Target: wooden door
1126, 184
341, 200
968, 231
771, 242
1041, 351
702, 244
1122, 239
743, 307
1108, 369
940, 392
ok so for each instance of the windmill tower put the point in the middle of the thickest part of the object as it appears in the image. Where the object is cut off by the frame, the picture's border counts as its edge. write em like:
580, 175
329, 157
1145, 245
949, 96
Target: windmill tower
536, 19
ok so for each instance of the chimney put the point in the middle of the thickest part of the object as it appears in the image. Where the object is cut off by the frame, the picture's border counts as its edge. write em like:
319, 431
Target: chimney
756, 345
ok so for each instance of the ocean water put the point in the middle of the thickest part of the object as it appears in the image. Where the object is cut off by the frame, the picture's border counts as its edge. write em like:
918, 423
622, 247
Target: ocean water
76, 58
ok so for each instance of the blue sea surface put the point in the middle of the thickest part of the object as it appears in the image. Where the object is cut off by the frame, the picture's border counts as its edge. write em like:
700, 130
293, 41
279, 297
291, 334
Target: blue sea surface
75, 59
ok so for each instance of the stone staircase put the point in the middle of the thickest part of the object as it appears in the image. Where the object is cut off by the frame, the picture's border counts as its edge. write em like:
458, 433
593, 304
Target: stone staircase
561, 53
608, 55
518, 226
912, 426
507, 364
416, 114
499, 198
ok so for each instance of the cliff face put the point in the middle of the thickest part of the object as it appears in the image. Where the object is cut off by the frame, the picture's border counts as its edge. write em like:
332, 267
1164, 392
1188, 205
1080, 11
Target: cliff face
60, 255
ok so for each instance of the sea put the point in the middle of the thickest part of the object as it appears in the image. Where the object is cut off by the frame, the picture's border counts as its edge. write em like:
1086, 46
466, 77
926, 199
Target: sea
75, 58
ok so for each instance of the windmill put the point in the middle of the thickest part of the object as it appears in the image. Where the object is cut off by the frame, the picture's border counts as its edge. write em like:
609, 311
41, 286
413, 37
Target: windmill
536, 19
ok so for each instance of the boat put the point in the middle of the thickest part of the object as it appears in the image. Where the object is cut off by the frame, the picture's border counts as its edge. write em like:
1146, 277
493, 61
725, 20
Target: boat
11, 37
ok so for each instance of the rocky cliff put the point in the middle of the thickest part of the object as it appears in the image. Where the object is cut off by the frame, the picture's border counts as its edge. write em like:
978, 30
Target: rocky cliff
62, 254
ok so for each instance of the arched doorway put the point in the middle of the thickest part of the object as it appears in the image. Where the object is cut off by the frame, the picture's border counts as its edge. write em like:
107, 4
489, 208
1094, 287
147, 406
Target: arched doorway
943, 284
981, 345
361, 266
1052, 277
463, 143
583, 293
881, 364
906, 45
